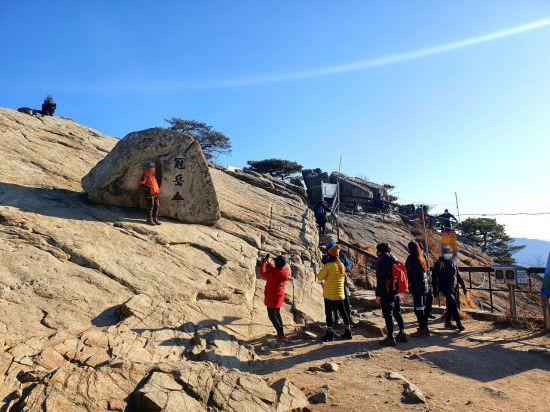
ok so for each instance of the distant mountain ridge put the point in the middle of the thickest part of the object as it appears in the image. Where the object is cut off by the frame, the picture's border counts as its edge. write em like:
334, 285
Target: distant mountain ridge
535, 252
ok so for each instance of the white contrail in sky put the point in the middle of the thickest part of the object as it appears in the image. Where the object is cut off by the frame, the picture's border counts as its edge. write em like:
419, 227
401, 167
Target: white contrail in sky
127, 85
385, 60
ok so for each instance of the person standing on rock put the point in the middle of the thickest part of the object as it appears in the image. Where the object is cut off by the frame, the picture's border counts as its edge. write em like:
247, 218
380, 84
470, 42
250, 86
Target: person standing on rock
150, 188
48, 107
275, 274
387, 297
334, 274
446, 280
347, 265
446, 220
418, 286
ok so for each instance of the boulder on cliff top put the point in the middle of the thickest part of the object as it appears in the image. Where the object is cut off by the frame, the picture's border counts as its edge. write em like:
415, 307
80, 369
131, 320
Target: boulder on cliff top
187, 192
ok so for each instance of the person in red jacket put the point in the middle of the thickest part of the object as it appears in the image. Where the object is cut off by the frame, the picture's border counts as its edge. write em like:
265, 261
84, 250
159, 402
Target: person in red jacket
276, 274
150, 188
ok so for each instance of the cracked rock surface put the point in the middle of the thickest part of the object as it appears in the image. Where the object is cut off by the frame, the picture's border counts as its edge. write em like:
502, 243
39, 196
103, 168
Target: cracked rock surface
100, 312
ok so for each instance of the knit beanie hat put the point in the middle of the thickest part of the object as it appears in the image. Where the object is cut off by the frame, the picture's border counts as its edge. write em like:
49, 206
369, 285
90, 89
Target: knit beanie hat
335, 252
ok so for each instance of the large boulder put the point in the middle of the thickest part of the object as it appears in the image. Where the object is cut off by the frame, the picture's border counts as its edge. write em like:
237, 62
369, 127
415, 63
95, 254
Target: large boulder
357, 190
187, 192
313, 179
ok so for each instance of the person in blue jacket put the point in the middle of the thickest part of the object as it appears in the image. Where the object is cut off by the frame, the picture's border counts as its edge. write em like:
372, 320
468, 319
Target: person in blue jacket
345, 261
320, 210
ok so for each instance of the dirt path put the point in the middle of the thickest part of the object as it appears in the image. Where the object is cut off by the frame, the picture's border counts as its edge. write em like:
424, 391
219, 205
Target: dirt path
455, 371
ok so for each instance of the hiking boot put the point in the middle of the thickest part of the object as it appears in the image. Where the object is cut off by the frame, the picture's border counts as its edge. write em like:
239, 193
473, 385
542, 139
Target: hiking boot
401, 337
430, 316
281, 338
449, 326
427, 332
150, 222
387, 342
418, 334
461, 328
346, 335
329, 336
156, 222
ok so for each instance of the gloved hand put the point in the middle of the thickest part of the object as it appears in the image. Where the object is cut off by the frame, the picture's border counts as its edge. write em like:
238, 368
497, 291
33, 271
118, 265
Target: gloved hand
266, 257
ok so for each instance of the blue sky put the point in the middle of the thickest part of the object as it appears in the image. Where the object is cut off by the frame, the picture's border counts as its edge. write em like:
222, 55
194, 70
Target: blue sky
474, 119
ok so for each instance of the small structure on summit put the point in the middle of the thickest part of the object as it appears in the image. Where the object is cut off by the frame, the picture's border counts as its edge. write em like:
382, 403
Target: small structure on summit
353, 191
48, 108
181, 170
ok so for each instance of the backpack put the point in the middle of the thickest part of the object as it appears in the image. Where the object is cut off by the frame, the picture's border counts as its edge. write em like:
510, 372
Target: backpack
399, 283
319, 211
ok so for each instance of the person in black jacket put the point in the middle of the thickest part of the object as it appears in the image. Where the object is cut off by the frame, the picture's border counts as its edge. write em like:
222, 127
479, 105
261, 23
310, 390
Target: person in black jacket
48, 107
320, 211
387, 297
418, 287
446, 279
446, 220
429, 293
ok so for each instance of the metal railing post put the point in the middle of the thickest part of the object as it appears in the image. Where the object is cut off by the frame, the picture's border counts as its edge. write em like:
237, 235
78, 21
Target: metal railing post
512, 297
490, 292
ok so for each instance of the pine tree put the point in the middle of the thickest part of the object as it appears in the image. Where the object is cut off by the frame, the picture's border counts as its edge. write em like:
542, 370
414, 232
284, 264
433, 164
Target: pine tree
491, 237
212, 143
279, 168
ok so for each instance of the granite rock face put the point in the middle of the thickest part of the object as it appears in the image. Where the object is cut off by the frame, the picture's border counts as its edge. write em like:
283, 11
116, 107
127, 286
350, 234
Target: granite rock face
187, 193
101, 312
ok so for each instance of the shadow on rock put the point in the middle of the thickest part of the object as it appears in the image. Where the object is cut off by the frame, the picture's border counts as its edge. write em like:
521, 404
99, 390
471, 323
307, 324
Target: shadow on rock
109, 317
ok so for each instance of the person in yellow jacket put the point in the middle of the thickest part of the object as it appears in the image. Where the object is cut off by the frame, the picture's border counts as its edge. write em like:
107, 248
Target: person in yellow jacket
333, 274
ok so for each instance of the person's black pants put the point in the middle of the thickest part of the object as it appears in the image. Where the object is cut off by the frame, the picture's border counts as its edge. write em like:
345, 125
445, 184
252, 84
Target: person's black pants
452, 308
391, 309
322, 222
429, 303
338, 305
153, 205
419, 303
347, 306
275, 318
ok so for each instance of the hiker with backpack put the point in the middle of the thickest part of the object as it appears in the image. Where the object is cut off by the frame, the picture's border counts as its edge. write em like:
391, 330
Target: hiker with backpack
276, 274
320, 210
446, 280
150, 189
391, 279
417, 269
347, 265
333, 275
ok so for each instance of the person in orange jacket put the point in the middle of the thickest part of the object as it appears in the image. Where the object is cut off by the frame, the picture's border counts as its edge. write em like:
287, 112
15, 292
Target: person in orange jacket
150, 188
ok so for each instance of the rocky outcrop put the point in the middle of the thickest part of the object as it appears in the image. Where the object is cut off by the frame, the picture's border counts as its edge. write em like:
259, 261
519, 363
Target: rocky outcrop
187, 192
357, 190
313, 179
94, 304
270, 184
353, 190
